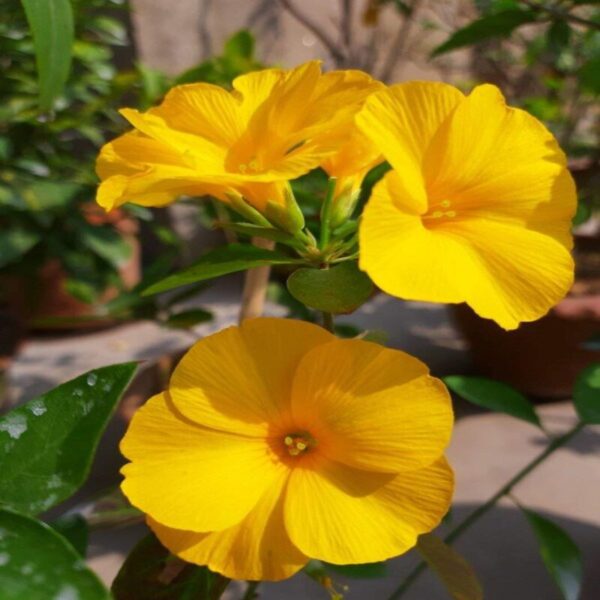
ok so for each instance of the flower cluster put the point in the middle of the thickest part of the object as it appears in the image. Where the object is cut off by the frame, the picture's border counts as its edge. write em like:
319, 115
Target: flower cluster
477, 207
275, 442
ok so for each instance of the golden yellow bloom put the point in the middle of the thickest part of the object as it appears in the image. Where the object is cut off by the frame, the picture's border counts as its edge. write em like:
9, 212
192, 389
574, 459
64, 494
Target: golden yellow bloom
356, 157
274, 126
277, 442
478, 206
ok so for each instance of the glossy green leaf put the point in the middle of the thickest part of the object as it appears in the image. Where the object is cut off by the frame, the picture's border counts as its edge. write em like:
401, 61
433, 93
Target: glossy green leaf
36, 563
586, 394
15, 242
559, 553
454, 571
364, 571
340, 289
47, 445
51, 23
152, 573
74, 529
500, 24
188, 318
494, 395
221, 261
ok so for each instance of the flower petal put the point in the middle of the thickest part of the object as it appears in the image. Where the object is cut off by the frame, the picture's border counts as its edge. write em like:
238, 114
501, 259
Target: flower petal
258, 548
197, 153
346, 516
252, 89
505, 270
240, 379
371, 407
204, 110
514, 274
189, 477
401, 256
490, 160
402, 120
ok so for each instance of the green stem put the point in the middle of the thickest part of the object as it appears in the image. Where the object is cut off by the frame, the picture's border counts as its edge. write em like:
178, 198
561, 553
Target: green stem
506, 489
251, 590
328, 321
326, 213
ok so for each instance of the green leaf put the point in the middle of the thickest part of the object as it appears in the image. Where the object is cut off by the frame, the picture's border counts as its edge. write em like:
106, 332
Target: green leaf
74, 529
340, 289
583, 213
365, 571
107, 243
222, 261
498, 25
588, 75
188, 318
559, 553
15, 242
241, 44
268, 233
38, 564
47, 445
50, 195
558, 36
586, 394
494, 395
51, 23
150, 572
454, 571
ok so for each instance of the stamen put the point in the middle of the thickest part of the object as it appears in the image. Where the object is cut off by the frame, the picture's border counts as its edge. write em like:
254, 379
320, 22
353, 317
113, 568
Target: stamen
242, 167
299, 443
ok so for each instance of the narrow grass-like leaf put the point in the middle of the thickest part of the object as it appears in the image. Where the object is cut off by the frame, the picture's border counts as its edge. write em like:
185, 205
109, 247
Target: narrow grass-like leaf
51, 22
221, 261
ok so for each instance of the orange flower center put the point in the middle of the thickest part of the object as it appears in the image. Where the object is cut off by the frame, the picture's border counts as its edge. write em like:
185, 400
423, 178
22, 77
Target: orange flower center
297, 444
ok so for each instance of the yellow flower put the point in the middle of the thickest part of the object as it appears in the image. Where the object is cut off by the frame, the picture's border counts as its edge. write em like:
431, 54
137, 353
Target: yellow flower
356, 157
478, 205
274, 126
277, 442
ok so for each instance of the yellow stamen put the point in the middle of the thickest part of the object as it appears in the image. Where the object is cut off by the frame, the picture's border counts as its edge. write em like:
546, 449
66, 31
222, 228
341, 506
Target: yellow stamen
298, 443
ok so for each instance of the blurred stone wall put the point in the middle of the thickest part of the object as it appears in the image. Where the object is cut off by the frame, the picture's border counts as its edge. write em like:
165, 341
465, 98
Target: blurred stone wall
173, 36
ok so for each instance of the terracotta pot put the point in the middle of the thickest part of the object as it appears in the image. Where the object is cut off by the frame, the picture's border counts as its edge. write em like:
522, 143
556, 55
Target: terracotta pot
542, 358
46, 297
